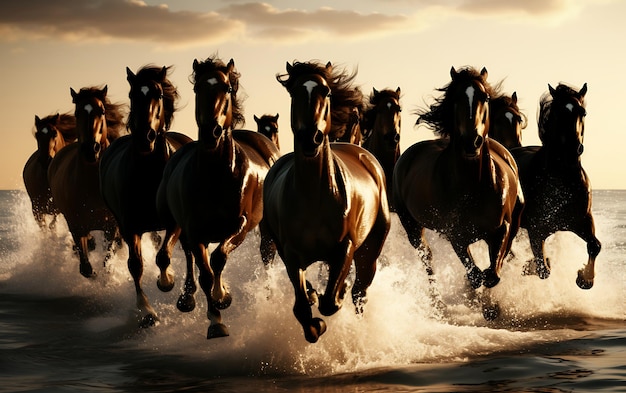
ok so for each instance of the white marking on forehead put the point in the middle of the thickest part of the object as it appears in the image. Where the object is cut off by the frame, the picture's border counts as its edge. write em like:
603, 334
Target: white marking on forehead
212, 81
470, 95
570, 107
268, 128
389, 105
88, 108
509, 116
145, 90
44, 130
309, 85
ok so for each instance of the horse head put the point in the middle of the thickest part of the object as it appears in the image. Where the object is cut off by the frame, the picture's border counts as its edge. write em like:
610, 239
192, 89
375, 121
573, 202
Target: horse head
215, 85
562, 120
49, 139
91, 122
506, 121
310, 105
469, 95
268, 125
148, 116
383, 118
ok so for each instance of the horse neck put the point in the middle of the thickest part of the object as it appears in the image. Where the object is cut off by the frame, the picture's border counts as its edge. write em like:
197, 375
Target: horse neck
471, 171
316, 176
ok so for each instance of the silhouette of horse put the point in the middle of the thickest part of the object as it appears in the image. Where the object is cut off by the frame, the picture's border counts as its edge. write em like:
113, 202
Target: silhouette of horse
506, 121
557, 189
74, 177
381, 125
324, 201
268, 126
212, 188
463, 185
52, 134
130, 173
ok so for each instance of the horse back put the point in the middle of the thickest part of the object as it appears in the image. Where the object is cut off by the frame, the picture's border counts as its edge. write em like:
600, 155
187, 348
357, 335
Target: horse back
253, 141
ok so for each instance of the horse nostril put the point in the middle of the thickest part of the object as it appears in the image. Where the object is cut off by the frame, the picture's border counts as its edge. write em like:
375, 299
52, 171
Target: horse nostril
318, 137
478, 141
96, 147
217, 131
396, 138
151, 136
581, 148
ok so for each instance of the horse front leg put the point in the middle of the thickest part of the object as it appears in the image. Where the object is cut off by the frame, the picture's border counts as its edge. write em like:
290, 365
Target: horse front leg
207, 280
474, 274
542, 264
338, 268
186, 301
84, 266
135, 267
586, 275
499, 246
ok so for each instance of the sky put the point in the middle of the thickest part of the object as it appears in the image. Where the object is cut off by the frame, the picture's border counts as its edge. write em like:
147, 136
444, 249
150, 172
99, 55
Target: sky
49, 46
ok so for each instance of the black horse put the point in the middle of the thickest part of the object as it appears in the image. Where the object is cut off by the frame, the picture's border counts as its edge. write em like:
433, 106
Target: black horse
556, 187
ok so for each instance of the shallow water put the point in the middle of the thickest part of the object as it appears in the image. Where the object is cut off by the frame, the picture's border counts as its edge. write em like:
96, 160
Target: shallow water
60, 332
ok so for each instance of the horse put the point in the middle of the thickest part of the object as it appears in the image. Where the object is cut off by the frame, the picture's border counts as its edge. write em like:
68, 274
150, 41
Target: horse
52, 133
130, 174
557, 188
381, 125
323, 201
506, 120
347, 112
74, 177
212, 188
463, 185
268, 126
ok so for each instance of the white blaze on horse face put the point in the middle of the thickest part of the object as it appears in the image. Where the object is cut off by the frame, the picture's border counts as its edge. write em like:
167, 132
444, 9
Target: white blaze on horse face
88, 108
509, 116
44, 130
470, 91
212, 81
389, 105
145, 90
570, 107
309, 85
268, 128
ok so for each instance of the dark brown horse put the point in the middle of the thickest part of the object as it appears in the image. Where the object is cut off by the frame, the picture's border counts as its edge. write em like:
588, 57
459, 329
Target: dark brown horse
74, 176
463, 185
557, 189
52, 134
324, 201
506, 120
130, 173
381, 125
212, 188
268, 126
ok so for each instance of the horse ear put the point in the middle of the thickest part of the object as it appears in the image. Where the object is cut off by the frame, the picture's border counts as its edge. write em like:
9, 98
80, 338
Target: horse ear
130, 76
231, 65
105, 90
195, 64
398, 90
288, 67
276, 117
551, 89
583, 91
163, 73
56, 117
74, 95
374, 91
256, 119
37, 120
329, 66
484, 73
514, 97
453, 73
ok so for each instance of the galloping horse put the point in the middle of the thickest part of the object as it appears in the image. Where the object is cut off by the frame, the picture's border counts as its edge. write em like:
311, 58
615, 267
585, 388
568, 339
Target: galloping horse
381, 125
557, 189
213, 188
506, 121
268, 126
324, 201
463, 185
74, 177
131, 171
52, 134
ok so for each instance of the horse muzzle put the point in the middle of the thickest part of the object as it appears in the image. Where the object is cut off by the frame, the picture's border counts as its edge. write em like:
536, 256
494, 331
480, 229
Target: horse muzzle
472, 147
91, 153
310, 145
210, 136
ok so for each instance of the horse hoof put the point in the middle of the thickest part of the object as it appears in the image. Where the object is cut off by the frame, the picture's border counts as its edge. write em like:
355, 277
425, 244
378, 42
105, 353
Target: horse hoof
186, 303
166, 287
328, 306
148, 320
87, 271
542, 271
490, 278
582, 282
475, 277
315, 330
217, 330
491, 312
224, 303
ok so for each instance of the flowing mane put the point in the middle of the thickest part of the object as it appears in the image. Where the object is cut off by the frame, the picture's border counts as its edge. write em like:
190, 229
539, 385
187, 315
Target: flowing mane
562, 92
215, 64
170, 92
114, 112
439, 116
345, 96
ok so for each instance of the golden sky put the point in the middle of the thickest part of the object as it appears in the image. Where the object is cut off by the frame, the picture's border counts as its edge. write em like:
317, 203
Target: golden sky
49, 46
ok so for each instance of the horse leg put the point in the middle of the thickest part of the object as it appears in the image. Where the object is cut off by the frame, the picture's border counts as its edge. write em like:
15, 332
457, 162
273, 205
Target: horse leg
338, 268
587, 273
84, 266
499, 246
186, 301
313, 327
542, 264
165, 281
267, 246
135, 267
206, 279
474, 274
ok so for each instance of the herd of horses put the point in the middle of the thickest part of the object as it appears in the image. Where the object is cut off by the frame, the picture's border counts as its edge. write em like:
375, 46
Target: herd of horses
328, 200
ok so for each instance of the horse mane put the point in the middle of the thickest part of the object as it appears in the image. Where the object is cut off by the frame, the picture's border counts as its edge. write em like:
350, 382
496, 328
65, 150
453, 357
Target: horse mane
504, 102
561, 92
213, 63
114, 112
170, 92
344, 93
439, 116
375, 98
